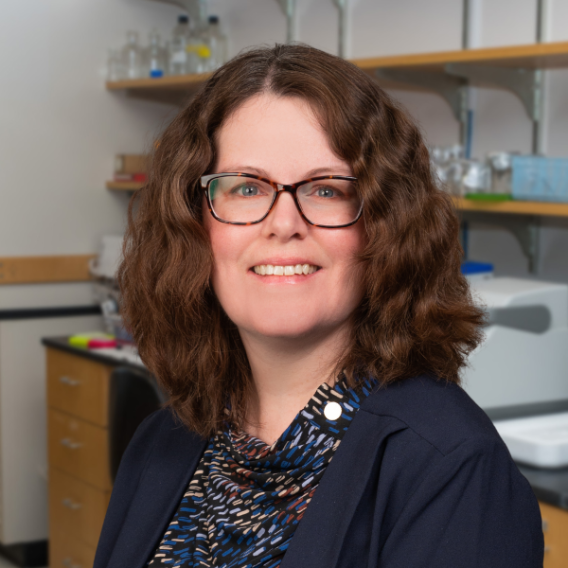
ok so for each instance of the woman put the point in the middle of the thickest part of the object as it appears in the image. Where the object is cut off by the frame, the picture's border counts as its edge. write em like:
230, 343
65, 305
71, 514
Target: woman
292, 277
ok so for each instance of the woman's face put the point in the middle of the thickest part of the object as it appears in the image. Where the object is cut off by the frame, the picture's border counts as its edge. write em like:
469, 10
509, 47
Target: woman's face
279, 138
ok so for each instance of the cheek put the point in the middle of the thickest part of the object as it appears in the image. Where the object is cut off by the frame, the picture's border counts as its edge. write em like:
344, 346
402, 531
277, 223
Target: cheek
228, 244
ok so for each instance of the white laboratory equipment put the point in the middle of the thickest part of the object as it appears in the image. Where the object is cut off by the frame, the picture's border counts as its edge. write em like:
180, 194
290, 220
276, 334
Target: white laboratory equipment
524, 356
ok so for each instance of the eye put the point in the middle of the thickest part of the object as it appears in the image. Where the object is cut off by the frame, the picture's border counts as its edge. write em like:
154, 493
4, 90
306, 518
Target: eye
325, 192
246, 190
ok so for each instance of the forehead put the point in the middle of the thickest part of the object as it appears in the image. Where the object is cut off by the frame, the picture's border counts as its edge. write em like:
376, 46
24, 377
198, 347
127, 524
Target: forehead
280, 135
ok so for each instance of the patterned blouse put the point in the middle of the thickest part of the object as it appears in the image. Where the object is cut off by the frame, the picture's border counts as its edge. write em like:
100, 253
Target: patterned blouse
246, 498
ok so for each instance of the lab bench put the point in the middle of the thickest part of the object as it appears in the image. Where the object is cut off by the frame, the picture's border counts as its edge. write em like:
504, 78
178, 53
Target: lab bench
80, 482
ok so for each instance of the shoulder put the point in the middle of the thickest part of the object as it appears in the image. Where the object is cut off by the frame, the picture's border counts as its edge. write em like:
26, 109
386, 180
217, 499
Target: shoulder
161, 450
159, 436
439, 412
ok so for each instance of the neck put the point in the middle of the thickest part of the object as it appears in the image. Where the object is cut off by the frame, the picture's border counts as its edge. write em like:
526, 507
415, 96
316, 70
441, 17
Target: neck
286, 373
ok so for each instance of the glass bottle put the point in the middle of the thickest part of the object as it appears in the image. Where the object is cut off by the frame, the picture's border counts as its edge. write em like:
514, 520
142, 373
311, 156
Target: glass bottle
198, 51
155, 56
132, 57
217, 44
178, 54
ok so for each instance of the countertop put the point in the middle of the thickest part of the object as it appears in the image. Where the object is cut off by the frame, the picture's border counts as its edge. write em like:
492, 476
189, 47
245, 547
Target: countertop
124, 357
550, 485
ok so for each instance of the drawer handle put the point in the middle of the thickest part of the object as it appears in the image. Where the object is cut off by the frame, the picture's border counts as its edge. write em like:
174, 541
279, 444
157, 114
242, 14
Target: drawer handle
68, 443
68, 563
69, 381
70, 505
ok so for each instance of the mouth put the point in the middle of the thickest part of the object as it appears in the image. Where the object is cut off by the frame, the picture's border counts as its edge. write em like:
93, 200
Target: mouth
285, 270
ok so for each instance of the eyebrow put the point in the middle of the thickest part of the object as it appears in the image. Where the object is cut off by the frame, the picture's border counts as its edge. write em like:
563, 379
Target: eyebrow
264, 173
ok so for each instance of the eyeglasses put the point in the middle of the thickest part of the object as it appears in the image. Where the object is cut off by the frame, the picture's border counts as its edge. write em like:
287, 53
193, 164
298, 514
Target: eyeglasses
329, 202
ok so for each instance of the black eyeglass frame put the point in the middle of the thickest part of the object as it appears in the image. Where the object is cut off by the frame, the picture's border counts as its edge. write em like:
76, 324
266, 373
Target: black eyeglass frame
279, 188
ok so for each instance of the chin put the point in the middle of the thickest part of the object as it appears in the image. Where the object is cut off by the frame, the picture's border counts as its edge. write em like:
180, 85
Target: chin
291, 324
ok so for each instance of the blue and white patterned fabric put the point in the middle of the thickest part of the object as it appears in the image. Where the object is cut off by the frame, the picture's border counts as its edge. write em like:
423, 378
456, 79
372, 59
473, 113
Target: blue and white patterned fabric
246, 497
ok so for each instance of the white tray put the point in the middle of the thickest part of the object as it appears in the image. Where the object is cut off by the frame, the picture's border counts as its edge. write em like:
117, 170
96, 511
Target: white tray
538, 440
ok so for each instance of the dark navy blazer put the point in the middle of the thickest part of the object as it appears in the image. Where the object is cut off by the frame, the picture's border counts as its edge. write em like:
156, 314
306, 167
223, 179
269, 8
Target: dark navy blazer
421, 479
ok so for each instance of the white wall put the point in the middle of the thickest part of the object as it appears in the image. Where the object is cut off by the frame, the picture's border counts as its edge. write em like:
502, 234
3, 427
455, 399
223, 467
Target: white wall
59, 127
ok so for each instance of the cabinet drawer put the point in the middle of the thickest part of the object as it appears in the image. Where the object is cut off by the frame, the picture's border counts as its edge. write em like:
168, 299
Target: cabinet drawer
66, 552
78, 386
555, 527
79, 449
76, 508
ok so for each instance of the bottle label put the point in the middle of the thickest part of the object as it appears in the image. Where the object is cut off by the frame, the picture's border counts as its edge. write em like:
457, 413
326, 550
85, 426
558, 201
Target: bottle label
201, 50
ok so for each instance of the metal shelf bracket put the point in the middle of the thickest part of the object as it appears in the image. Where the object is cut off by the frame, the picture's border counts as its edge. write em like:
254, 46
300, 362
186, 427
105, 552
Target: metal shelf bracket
451, 88
289, 9
524, 83
343, 8
525, 228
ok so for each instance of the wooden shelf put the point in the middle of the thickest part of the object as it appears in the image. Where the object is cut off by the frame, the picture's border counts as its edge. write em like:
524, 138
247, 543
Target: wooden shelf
172, 82
124, 185
172, 90
531, 56
178, 88
513, 207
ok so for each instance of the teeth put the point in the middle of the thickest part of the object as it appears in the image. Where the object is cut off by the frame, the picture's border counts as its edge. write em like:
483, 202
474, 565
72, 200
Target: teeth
291, 270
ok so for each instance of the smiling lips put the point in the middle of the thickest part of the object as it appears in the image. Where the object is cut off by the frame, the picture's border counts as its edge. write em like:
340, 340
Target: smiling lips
290, 270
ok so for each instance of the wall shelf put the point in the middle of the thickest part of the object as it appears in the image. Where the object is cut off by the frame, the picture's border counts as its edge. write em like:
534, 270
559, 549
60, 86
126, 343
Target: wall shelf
540, 208
172, 90
531, 56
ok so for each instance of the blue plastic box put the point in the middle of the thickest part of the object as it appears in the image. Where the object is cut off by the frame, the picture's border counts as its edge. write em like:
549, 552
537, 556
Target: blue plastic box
536, 178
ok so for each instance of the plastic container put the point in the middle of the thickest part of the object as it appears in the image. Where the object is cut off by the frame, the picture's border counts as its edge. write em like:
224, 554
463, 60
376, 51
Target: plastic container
540, 441
536, 178
475, 271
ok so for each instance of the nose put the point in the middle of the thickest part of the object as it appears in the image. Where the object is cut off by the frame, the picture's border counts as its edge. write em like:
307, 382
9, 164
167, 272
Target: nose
284, 220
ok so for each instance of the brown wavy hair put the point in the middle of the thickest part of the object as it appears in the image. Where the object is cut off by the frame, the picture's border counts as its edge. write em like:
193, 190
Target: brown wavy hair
417, 315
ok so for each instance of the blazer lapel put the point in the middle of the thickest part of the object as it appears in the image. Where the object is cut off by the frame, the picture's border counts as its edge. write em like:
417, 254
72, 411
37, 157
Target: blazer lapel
174, 460
320, 536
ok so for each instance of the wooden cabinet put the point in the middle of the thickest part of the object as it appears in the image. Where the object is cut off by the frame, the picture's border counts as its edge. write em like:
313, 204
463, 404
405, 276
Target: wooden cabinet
79, 472
555, 527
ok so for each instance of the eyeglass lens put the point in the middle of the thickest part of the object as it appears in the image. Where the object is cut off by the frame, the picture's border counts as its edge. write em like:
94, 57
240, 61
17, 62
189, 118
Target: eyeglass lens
329, 202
